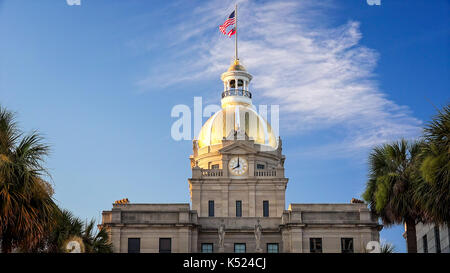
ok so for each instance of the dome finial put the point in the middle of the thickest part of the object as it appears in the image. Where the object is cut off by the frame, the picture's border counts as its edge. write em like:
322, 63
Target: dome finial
236, 66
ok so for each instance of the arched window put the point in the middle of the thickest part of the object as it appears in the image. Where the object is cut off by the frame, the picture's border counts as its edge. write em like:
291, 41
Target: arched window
232, 84
240, 83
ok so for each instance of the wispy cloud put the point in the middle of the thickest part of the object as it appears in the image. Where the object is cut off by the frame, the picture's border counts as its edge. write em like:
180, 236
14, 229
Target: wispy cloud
320, 75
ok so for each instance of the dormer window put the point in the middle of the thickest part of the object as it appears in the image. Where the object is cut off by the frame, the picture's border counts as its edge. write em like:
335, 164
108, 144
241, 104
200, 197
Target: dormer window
215, 166
260, 166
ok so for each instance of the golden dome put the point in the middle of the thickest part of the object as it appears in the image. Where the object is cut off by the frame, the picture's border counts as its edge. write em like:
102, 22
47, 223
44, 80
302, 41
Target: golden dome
236, 66
239, 118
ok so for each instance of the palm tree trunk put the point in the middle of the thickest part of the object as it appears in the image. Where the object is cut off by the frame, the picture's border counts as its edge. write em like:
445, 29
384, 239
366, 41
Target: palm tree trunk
6, 245
411, 238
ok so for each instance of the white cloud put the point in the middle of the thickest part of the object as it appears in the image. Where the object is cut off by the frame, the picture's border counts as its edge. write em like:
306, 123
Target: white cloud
321, 75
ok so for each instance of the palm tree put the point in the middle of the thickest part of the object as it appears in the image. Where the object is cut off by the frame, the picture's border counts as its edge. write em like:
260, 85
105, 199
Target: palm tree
433, 194
389, 191
66, 226
95, 242
387, 248
26, 204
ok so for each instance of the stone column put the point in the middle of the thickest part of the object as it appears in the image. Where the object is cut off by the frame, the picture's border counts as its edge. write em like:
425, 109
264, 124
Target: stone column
251, 166
280, 200
225, 200
196, 197
297, 240
184, 240
115, 239
251, 199
194, 240
286, 237
225, 160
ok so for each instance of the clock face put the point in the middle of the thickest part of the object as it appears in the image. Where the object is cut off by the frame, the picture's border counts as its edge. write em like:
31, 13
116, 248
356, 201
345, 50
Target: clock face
238, 166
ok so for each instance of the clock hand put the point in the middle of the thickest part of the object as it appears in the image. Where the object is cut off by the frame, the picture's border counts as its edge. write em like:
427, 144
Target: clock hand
237, 166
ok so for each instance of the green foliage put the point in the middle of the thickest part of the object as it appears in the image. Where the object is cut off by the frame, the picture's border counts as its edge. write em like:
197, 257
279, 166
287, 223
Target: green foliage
67, 226
29, 219
433, 194
392, 178
409, 182
95, 242
26, 204
387, 248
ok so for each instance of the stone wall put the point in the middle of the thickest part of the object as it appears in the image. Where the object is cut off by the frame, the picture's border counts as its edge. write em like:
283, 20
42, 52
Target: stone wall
149, 222
330, 222
429, 231
292, 231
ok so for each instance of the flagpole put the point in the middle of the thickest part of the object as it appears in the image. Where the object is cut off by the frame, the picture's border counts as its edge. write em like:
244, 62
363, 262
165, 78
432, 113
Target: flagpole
235, 36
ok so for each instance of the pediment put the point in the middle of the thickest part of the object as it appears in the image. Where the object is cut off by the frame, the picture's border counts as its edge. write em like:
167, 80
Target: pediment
238, 147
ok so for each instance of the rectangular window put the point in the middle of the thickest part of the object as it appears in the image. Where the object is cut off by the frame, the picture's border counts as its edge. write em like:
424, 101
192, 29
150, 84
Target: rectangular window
211, 208
437, 239
134, 245
260, 166
265, 208
272, 248
425, 243
215, 166
207, 248
315, 245
239, 248
165, 245
238, 208
347, 245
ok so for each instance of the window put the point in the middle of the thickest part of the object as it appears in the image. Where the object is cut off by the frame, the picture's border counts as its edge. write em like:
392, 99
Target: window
425, 243
272, 248
260, 166
134, 245
165, 245
211, 208
215, 166
239, 248
315, 245
265, 208
232, 84
207, 248
238, 208
347, 245
240, 83
437, 239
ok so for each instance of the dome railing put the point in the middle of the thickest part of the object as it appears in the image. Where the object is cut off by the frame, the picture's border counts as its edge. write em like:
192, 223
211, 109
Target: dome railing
266, 173
236, 92
212, 172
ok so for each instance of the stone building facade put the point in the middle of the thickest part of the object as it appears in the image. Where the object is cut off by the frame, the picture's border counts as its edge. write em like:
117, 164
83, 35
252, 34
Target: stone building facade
432, 238
237, 194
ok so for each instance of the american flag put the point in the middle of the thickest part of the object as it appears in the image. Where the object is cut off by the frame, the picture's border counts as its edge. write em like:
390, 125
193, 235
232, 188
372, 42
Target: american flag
231, 32
229, 22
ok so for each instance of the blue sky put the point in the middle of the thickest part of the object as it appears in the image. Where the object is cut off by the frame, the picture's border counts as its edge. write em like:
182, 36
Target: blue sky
99, 81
